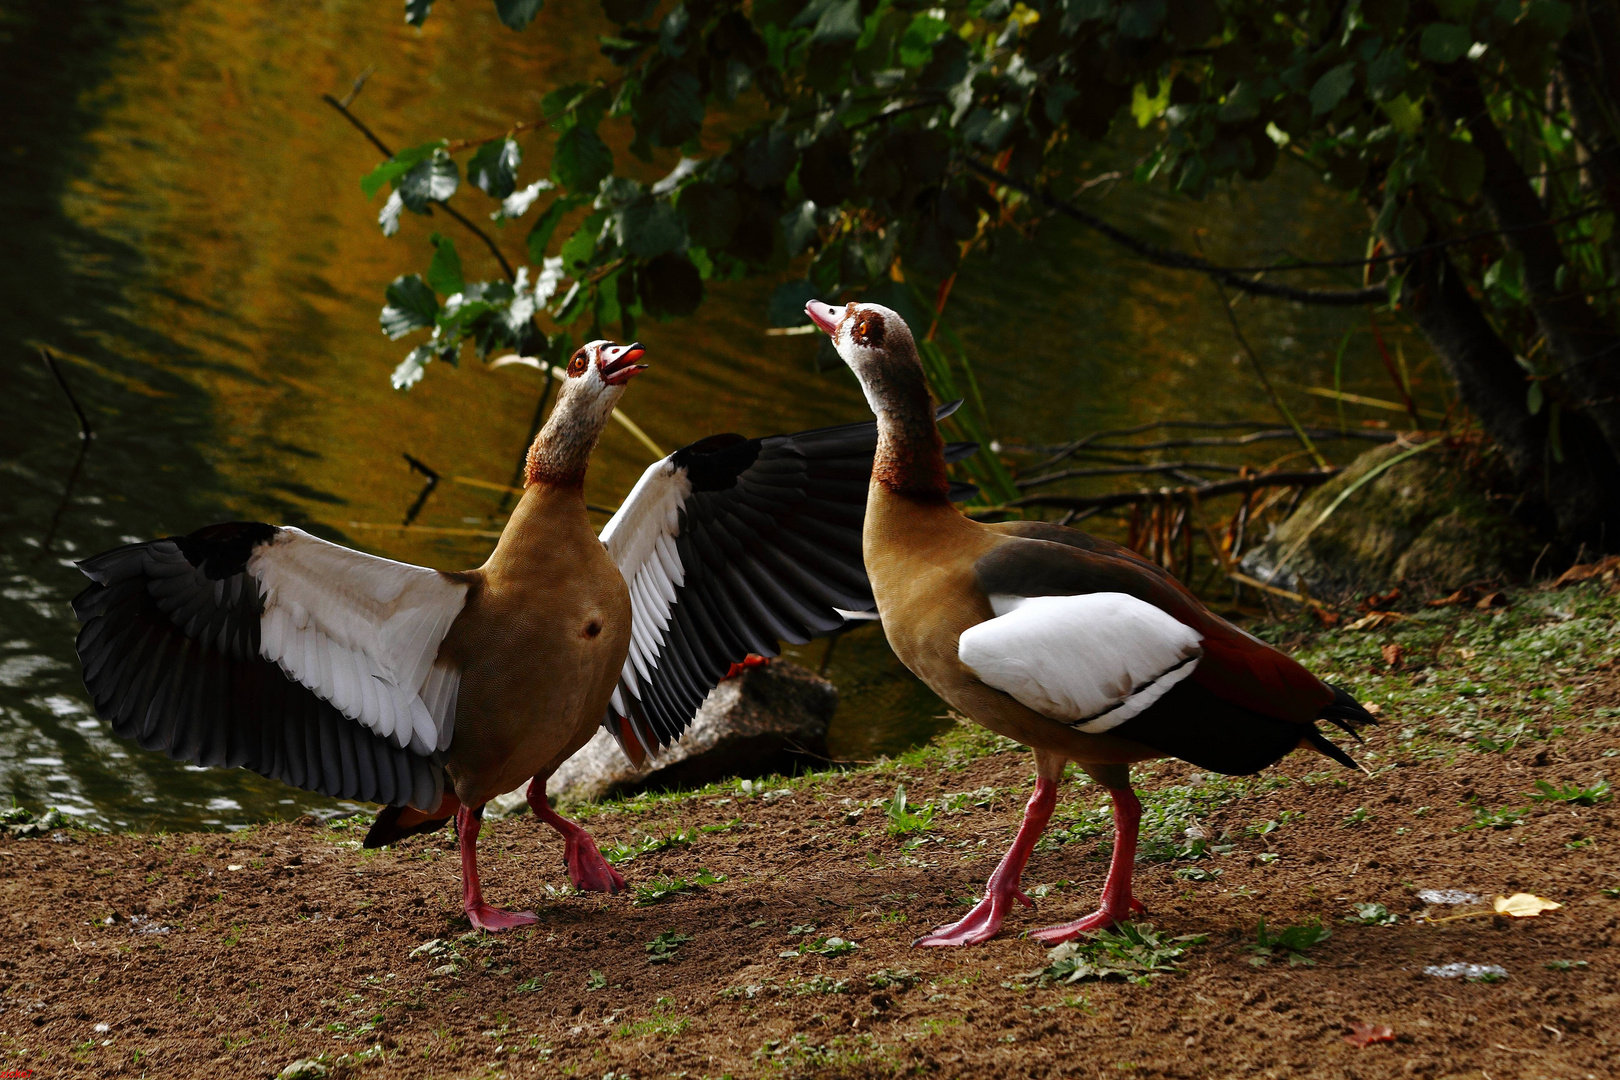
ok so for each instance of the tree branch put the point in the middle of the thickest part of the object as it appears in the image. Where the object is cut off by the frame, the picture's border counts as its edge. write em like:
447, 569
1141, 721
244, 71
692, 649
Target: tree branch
1204, 491
452, 211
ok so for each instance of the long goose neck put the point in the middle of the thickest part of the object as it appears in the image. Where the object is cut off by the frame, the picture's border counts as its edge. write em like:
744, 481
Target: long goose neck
910, 457
563, 448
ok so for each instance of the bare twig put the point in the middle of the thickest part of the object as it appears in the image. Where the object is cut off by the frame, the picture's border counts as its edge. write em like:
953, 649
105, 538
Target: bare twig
1173, 468
427, 489
471, 226
1265, 382
86, 432
1206, 491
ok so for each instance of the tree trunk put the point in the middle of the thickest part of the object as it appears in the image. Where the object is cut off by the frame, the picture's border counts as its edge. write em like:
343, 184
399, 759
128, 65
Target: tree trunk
1583, 491
1586, 349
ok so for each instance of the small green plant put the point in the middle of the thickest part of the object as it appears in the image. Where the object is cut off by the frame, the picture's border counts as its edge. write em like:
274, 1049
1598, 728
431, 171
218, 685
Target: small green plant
1266, 828
1291, 943
903, 820
1132, 951
1566, 965
1612, 894
661, 1022
723, 828
660, 889
1358, 816
1197, 873
1484, 818
529, 986
1571, 793
596, 981
621, 853
1371, 915
823, 946
821, 984
662, 949
883, 978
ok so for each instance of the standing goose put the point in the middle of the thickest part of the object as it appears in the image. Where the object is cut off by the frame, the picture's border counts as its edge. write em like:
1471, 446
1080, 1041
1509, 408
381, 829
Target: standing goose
1072, 645
244, 644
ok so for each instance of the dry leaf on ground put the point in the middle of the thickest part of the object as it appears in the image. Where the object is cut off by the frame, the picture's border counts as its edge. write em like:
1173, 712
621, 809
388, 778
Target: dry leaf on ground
1367, 1034
1587, 571
1524, 905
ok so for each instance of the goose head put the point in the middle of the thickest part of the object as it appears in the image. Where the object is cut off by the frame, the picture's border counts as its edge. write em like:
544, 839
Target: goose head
877, 345
596, 376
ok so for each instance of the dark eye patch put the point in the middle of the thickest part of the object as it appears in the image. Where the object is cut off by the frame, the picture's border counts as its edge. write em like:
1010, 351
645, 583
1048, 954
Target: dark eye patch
869, 330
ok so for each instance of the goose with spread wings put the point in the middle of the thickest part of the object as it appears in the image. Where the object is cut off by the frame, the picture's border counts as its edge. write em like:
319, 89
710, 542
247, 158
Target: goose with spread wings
263, 647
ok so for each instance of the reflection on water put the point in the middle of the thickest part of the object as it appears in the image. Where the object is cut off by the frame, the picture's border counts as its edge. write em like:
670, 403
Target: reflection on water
188, 235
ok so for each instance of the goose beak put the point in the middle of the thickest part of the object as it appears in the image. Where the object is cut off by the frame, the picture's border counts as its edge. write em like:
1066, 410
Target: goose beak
617, 363
824, 316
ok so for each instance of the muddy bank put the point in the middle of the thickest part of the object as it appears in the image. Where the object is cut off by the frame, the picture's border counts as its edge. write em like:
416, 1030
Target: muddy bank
236, 954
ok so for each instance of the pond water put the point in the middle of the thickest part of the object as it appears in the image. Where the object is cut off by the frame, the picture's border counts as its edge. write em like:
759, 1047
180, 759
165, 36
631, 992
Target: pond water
187, 233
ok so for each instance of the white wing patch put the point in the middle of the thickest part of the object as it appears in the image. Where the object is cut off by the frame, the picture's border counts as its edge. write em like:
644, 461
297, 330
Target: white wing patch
640, 540
1093, 661
363, 633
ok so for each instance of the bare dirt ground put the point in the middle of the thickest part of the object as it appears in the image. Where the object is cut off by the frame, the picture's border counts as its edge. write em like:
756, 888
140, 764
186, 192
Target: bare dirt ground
235, 954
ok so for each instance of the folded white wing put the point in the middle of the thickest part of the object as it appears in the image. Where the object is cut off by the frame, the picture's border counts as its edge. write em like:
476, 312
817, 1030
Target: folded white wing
1092, 661
363, 633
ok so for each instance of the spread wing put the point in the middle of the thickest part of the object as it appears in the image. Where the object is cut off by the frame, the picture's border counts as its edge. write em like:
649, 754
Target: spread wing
249, 645
730, 546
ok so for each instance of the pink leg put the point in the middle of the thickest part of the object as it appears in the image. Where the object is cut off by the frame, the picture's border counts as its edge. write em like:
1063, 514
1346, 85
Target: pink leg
586, 868
982, 923
1117, 901
482, 916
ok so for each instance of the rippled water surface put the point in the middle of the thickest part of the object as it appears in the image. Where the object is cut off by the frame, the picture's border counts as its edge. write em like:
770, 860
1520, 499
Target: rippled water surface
187, 233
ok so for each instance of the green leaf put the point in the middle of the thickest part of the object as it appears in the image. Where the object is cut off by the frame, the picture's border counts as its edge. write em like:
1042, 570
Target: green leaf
670, 286
582, 160
416, 11
799, 227
411, 369
397, 166
580, 248
787, 303
444, 272
840, 24
1442, 43
432, 180
540, 235
712, 214
669, 109
517, 14
917, 43
493, 169
1386, 74
1405, 115
411, 306
650, 227
1141, 18
1331, 88
1551, 17
1532, 404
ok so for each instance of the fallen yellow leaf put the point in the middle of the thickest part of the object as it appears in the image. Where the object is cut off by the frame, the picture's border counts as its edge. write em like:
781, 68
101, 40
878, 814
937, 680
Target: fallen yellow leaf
1523, 905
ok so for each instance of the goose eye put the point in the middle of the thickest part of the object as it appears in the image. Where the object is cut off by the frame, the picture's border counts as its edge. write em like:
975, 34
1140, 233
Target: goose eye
860, 329
576, 366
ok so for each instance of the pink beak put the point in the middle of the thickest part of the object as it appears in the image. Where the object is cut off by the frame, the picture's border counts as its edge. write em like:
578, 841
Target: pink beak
825, 316
618, 363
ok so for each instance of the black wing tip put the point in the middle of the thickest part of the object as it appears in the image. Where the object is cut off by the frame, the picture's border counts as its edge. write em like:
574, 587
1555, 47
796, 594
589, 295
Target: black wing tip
1323, 745
1345, 711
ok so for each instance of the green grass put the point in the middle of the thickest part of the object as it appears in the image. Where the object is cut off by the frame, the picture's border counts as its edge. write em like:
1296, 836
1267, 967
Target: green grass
1133, 951
903, 819
662, 949
661, 1023
1371, 915
823, 946
1290, 943
1590, 795
660, 889
622, 853
1485, 818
